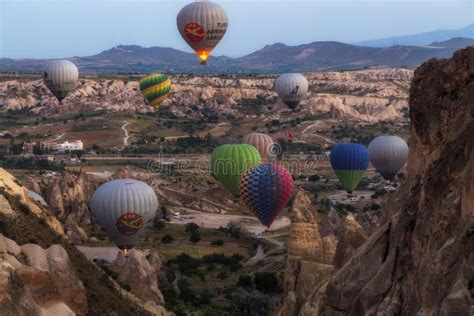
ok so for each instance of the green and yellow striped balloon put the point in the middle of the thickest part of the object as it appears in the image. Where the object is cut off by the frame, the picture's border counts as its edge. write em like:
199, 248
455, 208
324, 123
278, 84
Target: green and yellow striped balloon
155, 88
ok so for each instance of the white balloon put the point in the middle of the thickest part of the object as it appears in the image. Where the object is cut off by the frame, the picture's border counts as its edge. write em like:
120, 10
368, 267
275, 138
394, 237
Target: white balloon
60, 76
124, 209
388, 154
291, 88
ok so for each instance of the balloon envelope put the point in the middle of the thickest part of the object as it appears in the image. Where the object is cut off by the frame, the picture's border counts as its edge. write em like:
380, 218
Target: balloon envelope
266, 189
262, 142
124, 209
349, 161
155, 88
202, 24
229, 161
388, 154
291, 88
60, 76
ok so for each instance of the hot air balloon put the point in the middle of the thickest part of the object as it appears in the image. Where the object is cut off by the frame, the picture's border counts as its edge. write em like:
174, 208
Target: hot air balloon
388, 154
229, 161
124, 209
202, 24
349, 161
266, 189
155, 88
262, 142
60, 76
291, 88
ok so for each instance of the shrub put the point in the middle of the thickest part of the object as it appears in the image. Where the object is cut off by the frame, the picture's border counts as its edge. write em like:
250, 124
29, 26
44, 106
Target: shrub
186, 264
206, 295
158, 224
266, 282
191, 228
234, 229
195, 238
167, 239
222, 275
245, 281
217, 242
375, 207
253, 303
234, 266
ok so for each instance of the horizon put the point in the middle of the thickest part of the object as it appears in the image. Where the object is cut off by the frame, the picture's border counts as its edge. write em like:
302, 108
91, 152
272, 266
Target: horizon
91, 39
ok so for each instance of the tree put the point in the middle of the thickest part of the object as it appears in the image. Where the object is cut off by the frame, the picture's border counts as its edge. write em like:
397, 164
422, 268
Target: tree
266, 282
245, 281
206, 295
195, 237
37, 149
234, 229
253, 303
167, 239
80, 153
375, 207
192, 228
217, 242
158, 224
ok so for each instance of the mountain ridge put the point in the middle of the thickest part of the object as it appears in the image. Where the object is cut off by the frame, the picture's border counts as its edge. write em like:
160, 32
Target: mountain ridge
420, 38
273, 58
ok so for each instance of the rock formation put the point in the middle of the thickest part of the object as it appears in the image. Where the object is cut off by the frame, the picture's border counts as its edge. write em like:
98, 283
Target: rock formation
309, 264
58, 280
420, 260
140, 272
69, 194
365, 95
38, 282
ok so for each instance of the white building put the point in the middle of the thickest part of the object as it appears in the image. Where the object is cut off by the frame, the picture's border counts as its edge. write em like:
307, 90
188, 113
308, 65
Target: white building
76, 145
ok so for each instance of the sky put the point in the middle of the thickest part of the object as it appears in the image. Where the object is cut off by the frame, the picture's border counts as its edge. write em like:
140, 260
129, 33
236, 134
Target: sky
67, 28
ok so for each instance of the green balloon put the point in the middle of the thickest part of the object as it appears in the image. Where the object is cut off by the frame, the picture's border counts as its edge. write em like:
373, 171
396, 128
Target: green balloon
228, 162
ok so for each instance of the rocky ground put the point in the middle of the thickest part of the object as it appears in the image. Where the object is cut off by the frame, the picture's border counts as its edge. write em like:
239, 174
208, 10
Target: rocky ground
366, 95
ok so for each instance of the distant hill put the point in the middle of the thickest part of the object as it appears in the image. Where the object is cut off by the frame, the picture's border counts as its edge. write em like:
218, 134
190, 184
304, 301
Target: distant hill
420, 39
274, 58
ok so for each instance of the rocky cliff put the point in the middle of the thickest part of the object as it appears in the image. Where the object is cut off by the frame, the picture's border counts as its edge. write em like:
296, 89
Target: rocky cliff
47, 275
420, 259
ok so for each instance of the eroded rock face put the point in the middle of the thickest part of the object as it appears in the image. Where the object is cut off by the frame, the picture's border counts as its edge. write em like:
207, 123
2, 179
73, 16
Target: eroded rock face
309, 263
141, 274
366, 95
35, 281
420, 260
68, 197
12, 188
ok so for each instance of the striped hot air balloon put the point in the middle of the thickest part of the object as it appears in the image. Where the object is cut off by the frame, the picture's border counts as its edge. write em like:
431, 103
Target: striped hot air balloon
262, 142
291, 88
155, 88
266, 190
60, 76
124, 209
349, 161
228, 162
388, 154
202, 24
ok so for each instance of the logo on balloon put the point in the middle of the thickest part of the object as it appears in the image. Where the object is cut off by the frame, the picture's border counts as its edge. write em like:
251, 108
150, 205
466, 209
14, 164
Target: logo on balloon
129, 224
194, 32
